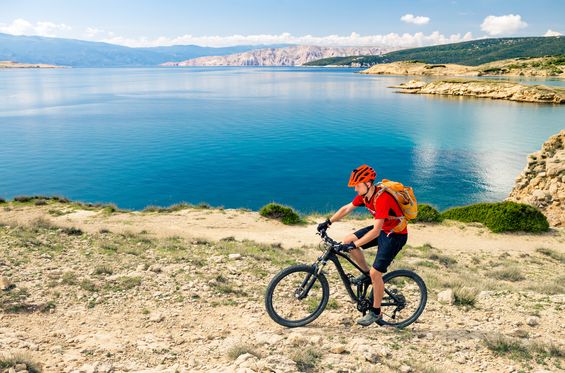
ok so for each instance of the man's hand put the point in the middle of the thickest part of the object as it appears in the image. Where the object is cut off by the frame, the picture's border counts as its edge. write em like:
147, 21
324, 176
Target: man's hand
347, 247
325, 225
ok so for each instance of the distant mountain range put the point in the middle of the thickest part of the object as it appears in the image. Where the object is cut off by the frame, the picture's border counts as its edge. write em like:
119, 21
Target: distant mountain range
289, 56
471, 53
80, 53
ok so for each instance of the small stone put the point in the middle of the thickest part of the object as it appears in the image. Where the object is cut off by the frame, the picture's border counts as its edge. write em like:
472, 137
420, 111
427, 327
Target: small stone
532, 320
460, 359
234, 256
155, 268
19, 367
446, 297
5, 284
538, 194
405, 369
156, 317
371, 357
338, 349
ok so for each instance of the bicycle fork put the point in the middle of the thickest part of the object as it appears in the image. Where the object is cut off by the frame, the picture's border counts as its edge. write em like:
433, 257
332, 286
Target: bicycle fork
304, 289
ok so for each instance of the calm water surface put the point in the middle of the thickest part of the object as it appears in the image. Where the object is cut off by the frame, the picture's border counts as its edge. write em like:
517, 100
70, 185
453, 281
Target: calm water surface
242, 137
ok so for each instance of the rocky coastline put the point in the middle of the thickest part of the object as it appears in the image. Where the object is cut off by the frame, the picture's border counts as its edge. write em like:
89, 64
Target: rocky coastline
18, 65
494, 89
553, 66
542, 183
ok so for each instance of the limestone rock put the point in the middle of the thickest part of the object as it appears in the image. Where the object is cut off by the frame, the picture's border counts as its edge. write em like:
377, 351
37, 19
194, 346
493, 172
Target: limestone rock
542, 183
446, 296
532, 321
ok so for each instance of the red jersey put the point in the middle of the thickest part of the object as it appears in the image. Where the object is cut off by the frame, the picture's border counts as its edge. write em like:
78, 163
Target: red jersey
384, 206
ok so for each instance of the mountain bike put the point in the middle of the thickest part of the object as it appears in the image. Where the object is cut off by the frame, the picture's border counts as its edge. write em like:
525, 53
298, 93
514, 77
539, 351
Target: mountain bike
297, 295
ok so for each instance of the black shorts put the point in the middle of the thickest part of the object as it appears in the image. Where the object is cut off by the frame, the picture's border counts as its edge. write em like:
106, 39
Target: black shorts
388, 247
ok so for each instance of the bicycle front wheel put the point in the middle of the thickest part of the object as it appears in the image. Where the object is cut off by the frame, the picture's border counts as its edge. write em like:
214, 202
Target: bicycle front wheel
296, 296
404, 299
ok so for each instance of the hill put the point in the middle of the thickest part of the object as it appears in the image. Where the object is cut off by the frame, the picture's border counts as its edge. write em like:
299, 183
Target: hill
471, 53
87, 289
289, 56
80, 53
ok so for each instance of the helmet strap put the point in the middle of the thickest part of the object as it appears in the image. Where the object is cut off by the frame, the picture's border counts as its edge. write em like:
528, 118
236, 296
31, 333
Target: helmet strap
368, 190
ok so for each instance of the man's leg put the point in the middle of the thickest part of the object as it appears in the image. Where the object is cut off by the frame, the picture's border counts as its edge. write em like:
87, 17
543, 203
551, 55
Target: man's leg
378, 287
357, 254
389, 246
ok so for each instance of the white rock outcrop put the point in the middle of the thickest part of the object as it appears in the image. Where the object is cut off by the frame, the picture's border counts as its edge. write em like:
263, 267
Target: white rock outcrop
542, 183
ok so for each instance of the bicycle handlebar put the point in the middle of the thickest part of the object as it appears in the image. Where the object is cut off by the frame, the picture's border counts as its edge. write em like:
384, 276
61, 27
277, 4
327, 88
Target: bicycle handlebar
328, 240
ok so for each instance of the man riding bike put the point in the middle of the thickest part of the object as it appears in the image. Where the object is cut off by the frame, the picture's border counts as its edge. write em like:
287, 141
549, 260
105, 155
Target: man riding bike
387, 213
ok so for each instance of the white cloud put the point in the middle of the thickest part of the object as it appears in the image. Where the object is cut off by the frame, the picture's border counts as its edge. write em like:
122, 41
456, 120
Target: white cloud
552, 33
391, 40
503, 25
417, 20
22, 27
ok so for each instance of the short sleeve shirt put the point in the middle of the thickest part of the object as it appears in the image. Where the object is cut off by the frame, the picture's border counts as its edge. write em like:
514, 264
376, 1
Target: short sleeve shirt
382, 207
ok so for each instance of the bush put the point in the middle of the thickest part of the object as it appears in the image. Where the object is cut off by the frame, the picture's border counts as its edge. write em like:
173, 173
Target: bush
280, 212
2, 200
427, 214
501, 216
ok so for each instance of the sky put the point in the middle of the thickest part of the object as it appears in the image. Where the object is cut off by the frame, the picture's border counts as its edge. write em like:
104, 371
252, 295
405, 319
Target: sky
379, 23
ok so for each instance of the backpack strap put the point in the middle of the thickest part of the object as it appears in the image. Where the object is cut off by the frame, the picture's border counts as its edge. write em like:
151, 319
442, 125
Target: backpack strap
401, 219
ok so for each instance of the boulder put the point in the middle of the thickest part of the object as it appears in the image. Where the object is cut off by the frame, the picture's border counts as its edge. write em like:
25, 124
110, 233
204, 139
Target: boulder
446, 297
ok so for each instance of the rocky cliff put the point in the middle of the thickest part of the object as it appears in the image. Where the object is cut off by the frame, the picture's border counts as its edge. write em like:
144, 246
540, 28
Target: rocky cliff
290, 56
495, 89
542, 183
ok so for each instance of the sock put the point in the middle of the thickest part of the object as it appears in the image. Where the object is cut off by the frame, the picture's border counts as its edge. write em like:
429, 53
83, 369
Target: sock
376, 310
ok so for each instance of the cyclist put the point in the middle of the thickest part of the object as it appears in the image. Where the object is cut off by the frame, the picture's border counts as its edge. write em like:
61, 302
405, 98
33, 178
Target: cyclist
384, 208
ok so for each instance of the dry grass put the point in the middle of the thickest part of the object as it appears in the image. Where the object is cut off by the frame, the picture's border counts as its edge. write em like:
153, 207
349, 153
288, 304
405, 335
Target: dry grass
237, 350
10, 360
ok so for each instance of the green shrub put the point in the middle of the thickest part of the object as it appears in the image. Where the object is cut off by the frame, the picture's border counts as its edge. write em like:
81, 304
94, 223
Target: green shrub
427, 214
2, 200
501, 216
280, 212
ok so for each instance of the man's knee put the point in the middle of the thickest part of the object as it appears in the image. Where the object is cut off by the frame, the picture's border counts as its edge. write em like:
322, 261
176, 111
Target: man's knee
375, 273
350, 238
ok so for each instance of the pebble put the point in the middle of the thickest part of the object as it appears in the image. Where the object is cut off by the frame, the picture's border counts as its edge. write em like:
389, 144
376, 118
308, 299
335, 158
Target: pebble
532, 321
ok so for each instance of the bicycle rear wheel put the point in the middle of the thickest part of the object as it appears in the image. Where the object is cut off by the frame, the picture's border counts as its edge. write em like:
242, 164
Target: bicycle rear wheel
404, 299
296, 296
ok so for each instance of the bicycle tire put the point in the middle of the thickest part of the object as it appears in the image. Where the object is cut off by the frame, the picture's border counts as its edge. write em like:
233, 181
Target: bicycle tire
307, 270
387, 278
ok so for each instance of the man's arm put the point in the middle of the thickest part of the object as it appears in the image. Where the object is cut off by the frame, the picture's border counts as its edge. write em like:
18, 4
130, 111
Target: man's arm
343, 211
372, 234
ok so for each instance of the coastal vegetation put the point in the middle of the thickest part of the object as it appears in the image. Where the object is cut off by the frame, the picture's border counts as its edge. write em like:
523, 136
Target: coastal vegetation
501, 216
498, 217
471, 53
283, 213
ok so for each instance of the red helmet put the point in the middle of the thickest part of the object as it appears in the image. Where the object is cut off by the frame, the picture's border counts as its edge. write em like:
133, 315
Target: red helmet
362, 174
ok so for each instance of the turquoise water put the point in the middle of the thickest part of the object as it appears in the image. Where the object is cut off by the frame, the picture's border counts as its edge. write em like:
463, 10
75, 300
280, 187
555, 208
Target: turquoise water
242, 137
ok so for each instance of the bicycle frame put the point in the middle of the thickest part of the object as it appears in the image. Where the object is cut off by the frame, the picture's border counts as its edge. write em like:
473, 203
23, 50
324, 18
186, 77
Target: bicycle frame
333, 256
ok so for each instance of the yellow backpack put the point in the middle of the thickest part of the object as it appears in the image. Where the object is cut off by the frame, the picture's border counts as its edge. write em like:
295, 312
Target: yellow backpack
404, 195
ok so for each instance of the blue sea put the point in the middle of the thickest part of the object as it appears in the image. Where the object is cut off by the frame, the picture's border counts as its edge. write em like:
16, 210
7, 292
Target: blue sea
243, 137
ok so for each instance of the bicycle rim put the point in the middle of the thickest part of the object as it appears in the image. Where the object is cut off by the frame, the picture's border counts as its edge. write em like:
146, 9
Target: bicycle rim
404, 299
286, 301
